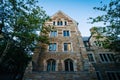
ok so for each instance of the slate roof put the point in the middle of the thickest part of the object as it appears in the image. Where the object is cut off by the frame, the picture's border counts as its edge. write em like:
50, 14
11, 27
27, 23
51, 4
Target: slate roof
85, 38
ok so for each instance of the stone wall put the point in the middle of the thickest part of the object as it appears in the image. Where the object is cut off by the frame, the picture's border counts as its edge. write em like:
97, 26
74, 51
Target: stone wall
60, 57
61, 76
78, 55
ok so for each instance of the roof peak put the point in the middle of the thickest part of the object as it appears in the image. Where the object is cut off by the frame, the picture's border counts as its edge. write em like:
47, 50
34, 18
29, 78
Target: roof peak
60, 11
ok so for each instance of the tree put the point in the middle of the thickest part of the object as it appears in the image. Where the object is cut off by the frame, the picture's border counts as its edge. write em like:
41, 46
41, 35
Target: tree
19, 22
111, 22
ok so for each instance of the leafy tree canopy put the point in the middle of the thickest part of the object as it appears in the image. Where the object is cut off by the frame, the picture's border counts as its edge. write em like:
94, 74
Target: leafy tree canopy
111, 22
20, 22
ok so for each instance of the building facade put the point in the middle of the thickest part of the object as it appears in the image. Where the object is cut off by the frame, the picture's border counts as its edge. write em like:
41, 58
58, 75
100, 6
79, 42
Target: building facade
103, 60
68, 56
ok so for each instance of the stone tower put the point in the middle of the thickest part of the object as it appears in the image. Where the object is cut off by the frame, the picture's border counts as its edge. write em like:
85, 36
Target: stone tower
65, 57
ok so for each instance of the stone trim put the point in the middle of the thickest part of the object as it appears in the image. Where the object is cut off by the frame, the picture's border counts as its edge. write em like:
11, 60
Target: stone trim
57, 62
45, 64
75, 65
66, 30
50, 33
63, 46
56, 47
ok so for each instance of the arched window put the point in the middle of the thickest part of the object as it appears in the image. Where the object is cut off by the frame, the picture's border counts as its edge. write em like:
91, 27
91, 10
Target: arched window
61, 23
58, 22
51, 64
53, 22
65, 23
68, 65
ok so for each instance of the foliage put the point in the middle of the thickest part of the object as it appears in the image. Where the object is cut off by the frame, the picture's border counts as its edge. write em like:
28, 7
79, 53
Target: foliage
111, 22
20, 20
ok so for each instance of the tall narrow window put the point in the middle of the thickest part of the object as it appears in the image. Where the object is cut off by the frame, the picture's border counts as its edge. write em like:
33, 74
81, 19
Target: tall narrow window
67, 47
98, 75
68, 65
61, 23
113, 75
65, 23
58, 23
53, 33
107, 57
52, 47
53, 22
51, 65
90, 57
66, 33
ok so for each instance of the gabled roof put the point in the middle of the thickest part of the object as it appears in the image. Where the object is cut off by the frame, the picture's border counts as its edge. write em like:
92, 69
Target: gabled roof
63, 14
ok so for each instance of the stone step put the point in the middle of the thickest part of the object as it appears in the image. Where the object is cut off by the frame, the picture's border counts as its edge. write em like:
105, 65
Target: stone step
60, 76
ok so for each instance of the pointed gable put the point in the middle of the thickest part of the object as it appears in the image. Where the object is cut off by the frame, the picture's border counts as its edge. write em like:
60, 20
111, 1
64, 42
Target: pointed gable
60, 15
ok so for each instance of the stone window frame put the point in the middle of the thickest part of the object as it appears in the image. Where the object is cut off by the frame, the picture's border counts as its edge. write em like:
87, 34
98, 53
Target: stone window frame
65, 22
52, 66
45, 64
92, 56
54, 23
56, 47
106, 58
53, 36
66, 30
73, 64
57, 22
112, 75
71, 47
66, 33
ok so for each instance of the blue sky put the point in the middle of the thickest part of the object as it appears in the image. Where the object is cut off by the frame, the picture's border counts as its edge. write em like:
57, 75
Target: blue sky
79, 10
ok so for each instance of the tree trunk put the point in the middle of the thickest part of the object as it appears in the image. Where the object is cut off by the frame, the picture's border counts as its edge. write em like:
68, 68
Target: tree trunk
5, 51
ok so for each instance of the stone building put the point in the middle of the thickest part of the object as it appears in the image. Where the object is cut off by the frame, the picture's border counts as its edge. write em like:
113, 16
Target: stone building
103, 60
69, 56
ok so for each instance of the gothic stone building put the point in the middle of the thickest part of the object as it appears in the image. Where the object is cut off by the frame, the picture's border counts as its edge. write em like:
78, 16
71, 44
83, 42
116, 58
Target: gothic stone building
105, 62
69, 56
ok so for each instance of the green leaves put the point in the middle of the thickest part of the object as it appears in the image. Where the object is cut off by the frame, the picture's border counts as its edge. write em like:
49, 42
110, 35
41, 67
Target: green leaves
111, 21
20, 21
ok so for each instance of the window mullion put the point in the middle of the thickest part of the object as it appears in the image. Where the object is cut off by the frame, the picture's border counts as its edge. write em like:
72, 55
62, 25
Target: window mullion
50, 65
104, 57
108, 59
68, 65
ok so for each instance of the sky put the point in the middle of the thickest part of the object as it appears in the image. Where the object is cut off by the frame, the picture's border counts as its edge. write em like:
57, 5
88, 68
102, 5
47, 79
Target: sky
79, 10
